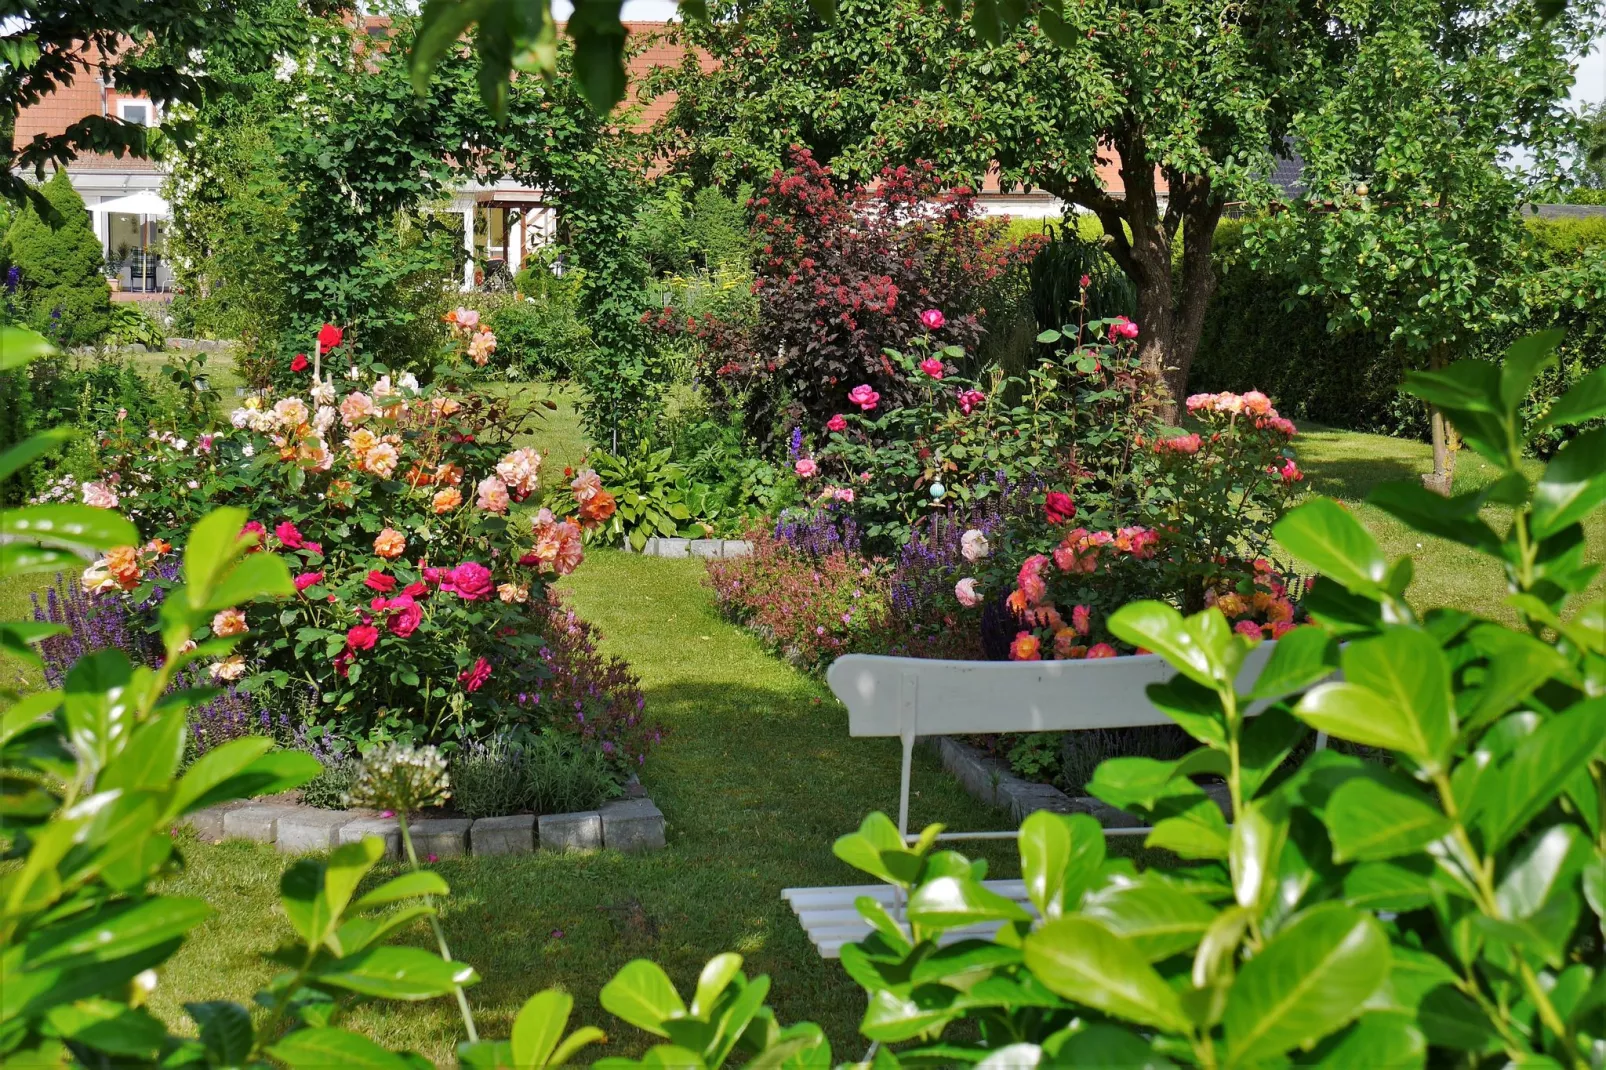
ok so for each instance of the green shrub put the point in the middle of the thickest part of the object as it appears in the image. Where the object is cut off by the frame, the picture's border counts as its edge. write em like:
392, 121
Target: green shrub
132, 325
63, 285
327, 790
541, 337
543, 775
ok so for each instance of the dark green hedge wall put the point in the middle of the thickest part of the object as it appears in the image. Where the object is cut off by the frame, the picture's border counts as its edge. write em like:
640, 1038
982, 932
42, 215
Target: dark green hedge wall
1261, 334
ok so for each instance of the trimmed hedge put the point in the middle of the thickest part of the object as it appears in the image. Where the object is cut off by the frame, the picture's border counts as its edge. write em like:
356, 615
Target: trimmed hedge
1260, 334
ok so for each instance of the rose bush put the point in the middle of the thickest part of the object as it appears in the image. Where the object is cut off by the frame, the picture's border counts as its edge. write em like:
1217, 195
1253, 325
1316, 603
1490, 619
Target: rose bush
422, 610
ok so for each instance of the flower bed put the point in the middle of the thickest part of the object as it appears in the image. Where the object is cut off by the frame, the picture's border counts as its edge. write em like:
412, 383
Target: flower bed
422, 539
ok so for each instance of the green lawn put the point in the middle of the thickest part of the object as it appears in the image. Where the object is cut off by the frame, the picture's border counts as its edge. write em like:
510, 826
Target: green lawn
757, 777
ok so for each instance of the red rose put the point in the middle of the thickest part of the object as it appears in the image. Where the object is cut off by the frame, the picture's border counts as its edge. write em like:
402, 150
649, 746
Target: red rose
473, 678
329, 336
1059, 507
416, 590
343, 662
362, 637
380, 582
300, 363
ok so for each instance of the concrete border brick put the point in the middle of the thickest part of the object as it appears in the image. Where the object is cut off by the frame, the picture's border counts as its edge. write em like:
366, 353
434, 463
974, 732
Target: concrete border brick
513, 834
258, 822
581, 831
386, 828
443, 837
737, 548
706, 547
310, 830
632, 825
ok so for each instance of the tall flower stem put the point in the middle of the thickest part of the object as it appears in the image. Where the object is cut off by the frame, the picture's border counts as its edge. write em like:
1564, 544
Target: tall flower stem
440, 936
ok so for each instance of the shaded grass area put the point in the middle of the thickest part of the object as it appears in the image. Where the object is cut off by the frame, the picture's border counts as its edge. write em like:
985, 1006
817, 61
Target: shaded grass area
758, 776
1347, 465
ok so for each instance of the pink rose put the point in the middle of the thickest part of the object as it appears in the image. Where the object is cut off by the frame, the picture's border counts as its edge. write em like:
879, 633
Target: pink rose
965, 591
933, 319
932, 367
1256, 403
837, 423
970, 400
405, 622
287, 534
864, 397
1101, 650
1123, 328
254, 527
1086, 282
805, 467
1081, 619
307, 579
470, 581
1247, 628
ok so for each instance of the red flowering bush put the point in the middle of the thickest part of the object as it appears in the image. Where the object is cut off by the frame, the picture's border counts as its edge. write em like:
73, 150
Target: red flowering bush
842, 276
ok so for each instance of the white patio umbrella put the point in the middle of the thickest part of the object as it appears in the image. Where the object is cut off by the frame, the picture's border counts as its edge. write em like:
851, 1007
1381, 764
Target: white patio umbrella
145, 204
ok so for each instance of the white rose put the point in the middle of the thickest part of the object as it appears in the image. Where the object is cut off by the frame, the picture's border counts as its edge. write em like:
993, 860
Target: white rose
973, 544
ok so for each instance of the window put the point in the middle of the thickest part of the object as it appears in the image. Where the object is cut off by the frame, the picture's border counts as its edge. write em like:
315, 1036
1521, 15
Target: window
136, 111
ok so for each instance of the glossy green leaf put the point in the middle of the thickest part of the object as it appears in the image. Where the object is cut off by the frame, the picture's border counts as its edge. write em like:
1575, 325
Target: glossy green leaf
1469, 385
1160, 628
110, 1027
1327, 537
1522, 361
891, 1017
410, 885
716, 976
1549, 863
115, 931
254, 576
225, 1030
641, 994
406, 973
1060, 856
1194, 829
1301, 658
1103, 1046
32, 448
75, 525
1083, 961
1158, 921
539, 1027
1310, 980
319, 1049
213, 546
301, 895
18, 346
1375, 1041
1539, 768
214, 768
152, 756
1453, 518
1255, 845
1573, 484
952, 902
1395, 886
269, 774
97, 707
1196, 709
1371, 819
17, 559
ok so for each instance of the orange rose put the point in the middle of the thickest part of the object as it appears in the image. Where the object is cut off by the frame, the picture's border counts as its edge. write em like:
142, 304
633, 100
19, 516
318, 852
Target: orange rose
389, 544
448, 475
229, 622
417, 477
122, 565
446, 500
1026, 647
597, 508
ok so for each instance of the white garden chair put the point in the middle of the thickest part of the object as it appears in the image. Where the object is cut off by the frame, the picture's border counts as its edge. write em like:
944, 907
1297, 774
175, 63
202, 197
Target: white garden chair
914, 697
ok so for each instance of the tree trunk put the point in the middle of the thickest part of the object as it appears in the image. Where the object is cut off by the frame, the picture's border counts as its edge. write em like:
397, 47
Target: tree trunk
1172, 297
1442, 477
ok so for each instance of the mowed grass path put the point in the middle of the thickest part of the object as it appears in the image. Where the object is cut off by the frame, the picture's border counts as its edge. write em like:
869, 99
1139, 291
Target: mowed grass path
757, 777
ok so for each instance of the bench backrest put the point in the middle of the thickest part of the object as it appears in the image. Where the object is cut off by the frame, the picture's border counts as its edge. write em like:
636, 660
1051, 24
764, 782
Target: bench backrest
909, 697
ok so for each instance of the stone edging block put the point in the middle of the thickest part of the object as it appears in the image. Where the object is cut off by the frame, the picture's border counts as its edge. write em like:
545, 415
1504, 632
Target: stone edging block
632, 823
991, 781
704, 548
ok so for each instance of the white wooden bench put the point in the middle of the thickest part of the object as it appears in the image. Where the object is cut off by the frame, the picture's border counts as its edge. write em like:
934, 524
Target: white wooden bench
913, 697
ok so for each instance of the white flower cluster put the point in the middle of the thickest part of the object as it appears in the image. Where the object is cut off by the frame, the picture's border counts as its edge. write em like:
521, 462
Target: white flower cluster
400, 778
64, 489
